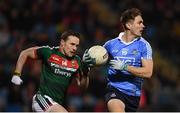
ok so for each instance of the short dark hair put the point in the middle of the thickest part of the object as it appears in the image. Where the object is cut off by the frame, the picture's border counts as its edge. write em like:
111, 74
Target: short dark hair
129, 14
68, 33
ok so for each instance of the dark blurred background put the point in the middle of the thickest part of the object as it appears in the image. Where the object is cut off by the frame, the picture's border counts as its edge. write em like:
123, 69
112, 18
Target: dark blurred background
27, 23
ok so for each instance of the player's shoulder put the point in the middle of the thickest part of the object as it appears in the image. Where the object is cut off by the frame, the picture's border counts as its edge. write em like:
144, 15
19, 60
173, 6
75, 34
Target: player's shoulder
47, 47
77, 57
144, 42
142, 39
114, 40
111, 41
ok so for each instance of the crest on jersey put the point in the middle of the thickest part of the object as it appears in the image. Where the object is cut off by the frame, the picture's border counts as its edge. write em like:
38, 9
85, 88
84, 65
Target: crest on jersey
73, 63
134, 52
64, 62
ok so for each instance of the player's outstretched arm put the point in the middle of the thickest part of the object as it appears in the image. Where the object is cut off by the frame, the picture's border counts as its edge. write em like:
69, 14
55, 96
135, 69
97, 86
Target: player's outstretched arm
87, 63
145, 71
87, 60
28, 53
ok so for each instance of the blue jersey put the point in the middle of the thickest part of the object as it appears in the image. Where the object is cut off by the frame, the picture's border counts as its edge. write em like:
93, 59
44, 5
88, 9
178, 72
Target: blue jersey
131, 53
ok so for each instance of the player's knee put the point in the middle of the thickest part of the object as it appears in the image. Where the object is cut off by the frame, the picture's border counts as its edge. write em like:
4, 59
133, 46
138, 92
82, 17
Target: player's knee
116, 105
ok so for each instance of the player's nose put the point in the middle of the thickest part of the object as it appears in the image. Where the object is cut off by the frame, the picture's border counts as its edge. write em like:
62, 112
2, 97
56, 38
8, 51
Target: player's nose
74, 48
143, 26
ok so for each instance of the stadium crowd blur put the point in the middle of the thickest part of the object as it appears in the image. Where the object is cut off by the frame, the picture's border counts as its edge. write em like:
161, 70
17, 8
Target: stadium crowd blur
27, 23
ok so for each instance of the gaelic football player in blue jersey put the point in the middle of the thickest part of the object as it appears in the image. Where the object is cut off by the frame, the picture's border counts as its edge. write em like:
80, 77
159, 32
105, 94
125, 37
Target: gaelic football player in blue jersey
130, 62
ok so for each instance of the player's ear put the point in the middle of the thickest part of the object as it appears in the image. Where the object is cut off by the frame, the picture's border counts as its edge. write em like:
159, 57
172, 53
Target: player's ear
128, 25
62, 42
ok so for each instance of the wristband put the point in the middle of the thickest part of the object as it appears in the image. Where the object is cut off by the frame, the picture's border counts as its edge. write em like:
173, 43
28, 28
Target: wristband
17, 73
125, 67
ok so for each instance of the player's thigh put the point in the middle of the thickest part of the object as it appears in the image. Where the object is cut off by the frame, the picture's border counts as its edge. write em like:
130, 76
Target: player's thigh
115, 105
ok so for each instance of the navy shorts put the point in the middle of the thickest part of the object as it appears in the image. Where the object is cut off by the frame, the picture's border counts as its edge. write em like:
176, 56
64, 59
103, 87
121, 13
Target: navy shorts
131, 102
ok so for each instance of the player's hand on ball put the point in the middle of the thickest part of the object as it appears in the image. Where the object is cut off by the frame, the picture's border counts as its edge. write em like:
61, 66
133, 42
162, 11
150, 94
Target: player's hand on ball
87, 59
118, 65
16, 80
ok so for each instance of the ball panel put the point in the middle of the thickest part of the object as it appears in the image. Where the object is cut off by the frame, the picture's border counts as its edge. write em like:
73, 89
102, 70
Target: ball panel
99, 53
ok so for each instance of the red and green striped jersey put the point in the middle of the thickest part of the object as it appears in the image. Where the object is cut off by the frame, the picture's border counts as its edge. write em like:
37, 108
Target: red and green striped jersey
57, 72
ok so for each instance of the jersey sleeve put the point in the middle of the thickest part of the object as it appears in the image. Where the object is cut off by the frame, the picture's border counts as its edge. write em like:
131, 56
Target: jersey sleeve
146, 51
43, 52
106, 45
80, 68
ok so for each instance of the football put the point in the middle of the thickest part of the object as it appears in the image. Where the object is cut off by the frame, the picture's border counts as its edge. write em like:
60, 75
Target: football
99, 54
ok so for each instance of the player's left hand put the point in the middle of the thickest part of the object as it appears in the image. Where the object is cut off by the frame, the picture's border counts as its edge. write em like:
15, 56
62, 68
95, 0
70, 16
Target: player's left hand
118, 65
87, 59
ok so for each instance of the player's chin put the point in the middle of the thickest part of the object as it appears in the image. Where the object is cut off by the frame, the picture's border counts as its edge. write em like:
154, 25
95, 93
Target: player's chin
139, 34
72, 54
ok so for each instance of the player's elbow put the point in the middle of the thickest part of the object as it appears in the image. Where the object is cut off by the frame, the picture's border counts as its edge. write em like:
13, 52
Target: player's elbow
30, 53
23, 54
149, 74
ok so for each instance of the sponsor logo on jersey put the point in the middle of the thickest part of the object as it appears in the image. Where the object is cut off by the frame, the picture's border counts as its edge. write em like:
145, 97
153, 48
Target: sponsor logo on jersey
61, 66
115, 50
60, 72
55, 58
127, 60
63, 62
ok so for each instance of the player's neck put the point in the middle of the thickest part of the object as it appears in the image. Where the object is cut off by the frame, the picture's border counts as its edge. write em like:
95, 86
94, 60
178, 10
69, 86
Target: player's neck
61, 50
128, 37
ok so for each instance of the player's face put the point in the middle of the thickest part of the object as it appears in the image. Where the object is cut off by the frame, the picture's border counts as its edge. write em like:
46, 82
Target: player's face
70, 46
137, 26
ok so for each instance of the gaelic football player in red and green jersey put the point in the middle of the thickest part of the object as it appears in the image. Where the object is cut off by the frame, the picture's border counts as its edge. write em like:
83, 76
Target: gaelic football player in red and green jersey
59, 66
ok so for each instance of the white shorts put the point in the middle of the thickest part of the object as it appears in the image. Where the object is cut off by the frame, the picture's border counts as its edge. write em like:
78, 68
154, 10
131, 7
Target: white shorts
42, 103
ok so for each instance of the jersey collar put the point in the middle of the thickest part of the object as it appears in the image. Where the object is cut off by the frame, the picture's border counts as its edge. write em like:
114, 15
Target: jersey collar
126, 43
64, 56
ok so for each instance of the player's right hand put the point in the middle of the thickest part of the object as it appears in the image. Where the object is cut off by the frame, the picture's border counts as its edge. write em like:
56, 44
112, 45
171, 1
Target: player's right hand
118, 65
16, 80
87, 59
